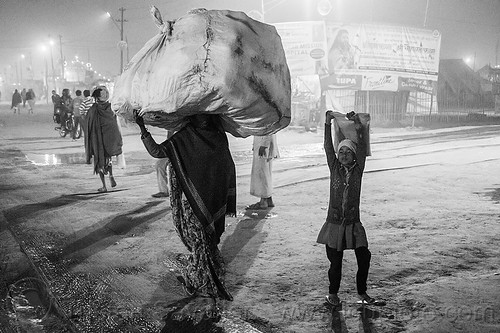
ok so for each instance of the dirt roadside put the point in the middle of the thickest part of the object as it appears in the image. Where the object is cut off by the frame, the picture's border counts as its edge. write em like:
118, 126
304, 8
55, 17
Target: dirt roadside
430, 205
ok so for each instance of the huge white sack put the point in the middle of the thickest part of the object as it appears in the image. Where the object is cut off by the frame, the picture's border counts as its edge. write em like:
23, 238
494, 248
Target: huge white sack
210, 61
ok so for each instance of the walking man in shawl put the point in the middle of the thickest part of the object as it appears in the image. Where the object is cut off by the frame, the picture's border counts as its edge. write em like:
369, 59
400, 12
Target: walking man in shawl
343, 229
265, 150
31, 99
16, 100
103, 137
203, 191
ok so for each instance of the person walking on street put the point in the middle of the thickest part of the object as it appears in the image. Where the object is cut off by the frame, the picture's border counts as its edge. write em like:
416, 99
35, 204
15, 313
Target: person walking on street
31, 98
56, 100
203, 191
162, 177
103, 138
343, 228
66, 102
265, 150
86, 104
83, 109
16, 101
75, 109
23, 96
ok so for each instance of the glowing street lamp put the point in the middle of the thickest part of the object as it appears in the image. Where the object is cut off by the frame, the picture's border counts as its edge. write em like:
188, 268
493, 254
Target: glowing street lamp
471, 61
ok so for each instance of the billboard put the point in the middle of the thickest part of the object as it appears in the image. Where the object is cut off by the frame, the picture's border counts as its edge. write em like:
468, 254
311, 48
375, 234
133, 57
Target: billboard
305, 45
363, 56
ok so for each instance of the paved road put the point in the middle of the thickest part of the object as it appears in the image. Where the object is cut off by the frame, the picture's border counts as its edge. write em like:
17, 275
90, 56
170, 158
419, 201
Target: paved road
49, 201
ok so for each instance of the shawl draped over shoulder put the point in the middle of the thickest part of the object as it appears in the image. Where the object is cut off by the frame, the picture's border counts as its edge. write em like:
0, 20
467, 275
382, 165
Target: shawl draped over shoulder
205, 169
104, 139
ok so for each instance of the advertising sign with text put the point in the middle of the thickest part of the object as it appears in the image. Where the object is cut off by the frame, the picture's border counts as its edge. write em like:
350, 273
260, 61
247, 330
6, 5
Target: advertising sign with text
305, 46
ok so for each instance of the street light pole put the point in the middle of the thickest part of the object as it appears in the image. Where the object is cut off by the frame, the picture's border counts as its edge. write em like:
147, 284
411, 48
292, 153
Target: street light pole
21, 69
32, 72
62, 56
122, 44
17, 73
121, 39
51, 43
46, 81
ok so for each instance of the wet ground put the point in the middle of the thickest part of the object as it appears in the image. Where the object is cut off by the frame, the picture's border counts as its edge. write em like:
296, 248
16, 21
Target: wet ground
109, 260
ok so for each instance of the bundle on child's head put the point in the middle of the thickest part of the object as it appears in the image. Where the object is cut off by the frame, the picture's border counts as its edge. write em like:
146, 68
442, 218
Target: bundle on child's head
349, 144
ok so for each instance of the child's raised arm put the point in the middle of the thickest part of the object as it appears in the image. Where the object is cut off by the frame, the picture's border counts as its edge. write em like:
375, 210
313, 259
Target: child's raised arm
328, 143
361, 145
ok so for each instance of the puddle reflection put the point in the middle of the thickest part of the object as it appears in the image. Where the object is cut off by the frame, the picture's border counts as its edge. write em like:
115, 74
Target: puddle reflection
56, 159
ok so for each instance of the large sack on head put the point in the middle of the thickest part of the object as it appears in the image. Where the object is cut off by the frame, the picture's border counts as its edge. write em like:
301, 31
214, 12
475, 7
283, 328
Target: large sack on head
346, 129
210, 61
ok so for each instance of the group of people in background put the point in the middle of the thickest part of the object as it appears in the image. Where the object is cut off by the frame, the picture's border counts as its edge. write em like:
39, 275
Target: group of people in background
102, 135
24, 97
65, 105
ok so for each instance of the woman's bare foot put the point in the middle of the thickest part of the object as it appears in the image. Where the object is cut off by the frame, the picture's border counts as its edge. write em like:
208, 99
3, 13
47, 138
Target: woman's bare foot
112, 180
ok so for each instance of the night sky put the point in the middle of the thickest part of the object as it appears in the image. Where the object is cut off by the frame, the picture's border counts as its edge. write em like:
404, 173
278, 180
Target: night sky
468, 27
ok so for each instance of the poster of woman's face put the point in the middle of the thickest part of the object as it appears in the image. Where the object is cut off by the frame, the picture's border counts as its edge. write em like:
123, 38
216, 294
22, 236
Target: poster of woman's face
341, 53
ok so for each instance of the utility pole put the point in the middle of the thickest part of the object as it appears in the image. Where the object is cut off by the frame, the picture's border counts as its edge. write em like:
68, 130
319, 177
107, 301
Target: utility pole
62, 57
21, 65
122, 44
17, 73
496, 53
426, 12
47, 82
51, 42
121, 39
32, 72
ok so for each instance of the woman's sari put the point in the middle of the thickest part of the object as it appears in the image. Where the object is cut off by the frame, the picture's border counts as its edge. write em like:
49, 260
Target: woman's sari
203, 191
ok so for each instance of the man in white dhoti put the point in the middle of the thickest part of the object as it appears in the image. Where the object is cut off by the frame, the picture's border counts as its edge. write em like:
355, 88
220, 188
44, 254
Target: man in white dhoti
162, 165
162, 177
265, 150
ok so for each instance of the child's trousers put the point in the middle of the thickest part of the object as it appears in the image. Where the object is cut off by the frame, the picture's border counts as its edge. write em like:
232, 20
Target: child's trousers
363, 256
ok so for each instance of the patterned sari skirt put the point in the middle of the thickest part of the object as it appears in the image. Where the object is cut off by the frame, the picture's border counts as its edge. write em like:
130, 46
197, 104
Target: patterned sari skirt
205, 269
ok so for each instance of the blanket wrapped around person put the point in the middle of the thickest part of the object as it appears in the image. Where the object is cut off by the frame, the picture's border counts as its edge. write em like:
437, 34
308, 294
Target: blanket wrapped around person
203, 191
103, 137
